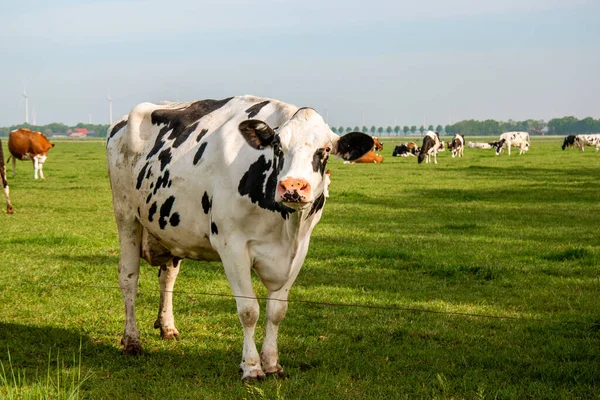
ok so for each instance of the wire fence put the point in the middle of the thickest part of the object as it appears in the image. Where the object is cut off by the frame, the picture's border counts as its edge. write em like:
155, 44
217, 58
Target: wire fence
330, 304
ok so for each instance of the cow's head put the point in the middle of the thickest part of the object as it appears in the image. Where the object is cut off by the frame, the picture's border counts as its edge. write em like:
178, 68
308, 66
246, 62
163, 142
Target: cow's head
301, 148
499, 145
377, 145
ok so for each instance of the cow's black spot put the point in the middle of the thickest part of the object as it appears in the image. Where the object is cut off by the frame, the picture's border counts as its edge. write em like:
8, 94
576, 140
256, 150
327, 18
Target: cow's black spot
165, 211
139, 213
206, 203
319, 162
213, 228
116, 129
170, 183
253, 182
183, 136
165, 158
317, 205
152, 211
151, 185
162, 181
199, 153
255, 109
141, 176
178, 121
174, 220
149, 173
201, 135
148, 198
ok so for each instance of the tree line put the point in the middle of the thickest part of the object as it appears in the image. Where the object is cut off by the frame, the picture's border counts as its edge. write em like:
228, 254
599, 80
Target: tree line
490, 127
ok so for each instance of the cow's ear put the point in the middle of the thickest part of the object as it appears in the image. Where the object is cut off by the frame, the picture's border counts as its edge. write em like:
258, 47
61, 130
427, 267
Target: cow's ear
353, 145
257, 133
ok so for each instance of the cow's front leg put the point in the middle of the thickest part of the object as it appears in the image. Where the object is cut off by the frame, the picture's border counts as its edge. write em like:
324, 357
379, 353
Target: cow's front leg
237, 267
129, 269
276, 308
165, 321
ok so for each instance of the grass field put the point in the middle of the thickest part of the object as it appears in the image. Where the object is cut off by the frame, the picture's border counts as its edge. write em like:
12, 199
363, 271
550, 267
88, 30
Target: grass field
515, 238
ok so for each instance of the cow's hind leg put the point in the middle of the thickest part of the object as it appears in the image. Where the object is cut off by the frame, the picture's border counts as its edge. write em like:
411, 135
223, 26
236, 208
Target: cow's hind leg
14, 165
165, 321
129, 269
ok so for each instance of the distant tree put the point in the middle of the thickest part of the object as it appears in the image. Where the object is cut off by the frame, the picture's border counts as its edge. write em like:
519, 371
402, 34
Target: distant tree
334, 129
448, 129
422, 129
380, 130
373, 130
396, 129
413, 129
364, 129
348, 129
341, 130
430, 128
439, 128
389, 130
356, 129
405, 129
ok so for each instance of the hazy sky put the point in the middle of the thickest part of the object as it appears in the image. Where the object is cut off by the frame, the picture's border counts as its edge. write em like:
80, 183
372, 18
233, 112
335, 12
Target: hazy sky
395, 62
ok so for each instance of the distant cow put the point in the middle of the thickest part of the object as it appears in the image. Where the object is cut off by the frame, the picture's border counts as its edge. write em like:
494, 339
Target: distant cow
211, 180
458, 145
513, 139
4, 182
587, 140
569, 142
371, 157
431, 145
478, 145
25, 144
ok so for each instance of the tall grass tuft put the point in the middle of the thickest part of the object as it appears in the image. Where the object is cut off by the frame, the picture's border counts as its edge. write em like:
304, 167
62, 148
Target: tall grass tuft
61, 382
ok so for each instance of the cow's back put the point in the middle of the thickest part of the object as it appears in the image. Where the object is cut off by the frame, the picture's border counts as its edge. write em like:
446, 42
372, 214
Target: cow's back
24, 143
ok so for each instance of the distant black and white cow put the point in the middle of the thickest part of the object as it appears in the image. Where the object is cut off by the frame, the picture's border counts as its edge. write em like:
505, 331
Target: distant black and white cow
212, 180
405, 150
480, 145
431, 145
569, 142
458, 145
4, 182
587, 140
513, 139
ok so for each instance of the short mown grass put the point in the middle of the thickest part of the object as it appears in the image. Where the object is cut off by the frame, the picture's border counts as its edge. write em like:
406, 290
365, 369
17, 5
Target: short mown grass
514, 238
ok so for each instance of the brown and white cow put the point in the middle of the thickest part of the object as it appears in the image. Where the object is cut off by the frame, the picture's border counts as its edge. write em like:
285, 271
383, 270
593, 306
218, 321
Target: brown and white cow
371, 157
3, 181
25, 144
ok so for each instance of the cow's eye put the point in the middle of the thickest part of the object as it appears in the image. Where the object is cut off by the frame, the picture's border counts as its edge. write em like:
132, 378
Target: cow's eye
328, 149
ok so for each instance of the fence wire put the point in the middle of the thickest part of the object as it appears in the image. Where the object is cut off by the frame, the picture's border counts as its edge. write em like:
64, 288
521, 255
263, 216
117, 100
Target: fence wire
328, 304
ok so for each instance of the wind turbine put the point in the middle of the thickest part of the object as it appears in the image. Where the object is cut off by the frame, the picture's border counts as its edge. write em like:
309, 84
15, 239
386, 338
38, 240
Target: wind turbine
109, 108
24, 95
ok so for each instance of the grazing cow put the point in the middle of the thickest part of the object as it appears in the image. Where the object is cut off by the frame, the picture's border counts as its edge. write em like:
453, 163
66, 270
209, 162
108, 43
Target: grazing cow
587, 140
371, 157
458, 145
25, 144
513, 139
211, 180
431, 145
569, 142
4, 182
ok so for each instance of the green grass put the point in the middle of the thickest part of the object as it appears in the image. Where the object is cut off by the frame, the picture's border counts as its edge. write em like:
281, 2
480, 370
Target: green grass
515, 237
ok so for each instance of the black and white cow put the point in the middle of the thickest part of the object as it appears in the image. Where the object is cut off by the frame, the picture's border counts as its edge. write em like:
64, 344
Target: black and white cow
241, 180
405, 150
569, 142
513, 139
4, 182
431, 146
458, 145
587, 140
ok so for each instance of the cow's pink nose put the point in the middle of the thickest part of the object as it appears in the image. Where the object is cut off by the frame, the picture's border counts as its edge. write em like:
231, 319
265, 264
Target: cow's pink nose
294, 190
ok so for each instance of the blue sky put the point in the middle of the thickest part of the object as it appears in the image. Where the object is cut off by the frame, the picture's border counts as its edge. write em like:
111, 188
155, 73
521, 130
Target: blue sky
389, 62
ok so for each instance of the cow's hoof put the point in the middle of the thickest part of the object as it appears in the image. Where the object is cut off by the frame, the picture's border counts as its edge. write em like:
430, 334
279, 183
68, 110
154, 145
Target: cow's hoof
132, 349
169, 333
252, 373
276, 370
